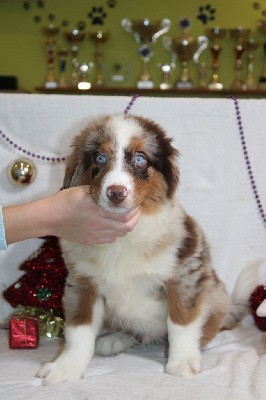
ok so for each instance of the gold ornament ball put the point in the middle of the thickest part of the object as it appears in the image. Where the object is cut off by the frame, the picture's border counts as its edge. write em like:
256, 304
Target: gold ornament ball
21, 172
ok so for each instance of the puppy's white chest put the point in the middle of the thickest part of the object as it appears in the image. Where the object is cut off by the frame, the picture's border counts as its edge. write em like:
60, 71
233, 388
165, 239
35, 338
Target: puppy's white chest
138, 306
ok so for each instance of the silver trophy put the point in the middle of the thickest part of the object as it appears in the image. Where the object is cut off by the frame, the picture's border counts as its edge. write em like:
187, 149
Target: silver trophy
146, 33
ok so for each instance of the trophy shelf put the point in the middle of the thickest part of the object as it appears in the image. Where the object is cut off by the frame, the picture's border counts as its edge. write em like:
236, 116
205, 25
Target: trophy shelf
172, 92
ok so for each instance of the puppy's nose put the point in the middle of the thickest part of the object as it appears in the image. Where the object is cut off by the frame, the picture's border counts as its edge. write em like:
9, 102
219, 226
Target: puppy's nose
116, 193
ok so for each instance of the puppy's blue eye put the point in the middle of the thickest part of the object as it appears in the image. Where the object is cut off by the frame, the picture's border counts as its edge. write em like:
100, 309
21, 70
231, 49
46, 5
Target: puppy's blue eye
101, 158
140, 159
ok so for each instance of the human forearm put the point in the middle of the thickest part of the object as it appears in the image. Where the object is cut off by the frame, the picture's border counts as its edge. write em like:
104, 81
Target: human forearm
69, 214
25, 221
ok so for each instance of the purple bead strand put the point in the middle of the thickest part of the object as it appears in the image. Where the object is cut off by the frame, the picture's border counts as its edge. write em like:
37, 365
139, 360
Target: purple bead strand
29, 153
247, 161
130, 104
53, 159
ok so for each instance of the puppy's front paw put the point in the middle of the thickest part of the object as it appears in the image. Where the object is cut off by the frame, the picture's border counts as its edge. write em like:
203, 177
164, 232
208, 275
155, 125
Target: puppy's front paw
60, 371
186, 368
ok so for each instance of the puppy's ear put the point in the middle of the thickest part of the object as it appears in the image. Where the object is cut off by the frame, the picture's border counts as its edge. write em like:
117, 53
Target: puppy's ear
73, 172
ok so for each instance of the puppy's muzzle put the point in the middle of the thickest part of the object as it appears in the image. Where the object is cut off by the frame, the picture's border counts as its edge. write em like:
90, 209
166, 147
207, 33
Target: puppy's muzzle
116, 194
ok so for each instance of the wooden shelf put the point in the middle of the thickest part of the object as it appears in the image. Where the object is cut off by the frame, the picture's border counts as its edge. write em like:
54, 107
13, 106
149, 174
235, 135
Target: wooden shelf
194, 92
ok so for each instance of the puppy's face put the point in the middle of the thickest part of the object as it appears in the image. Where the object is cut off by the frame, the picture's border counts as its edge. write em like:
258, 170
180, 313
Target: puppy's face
127, 160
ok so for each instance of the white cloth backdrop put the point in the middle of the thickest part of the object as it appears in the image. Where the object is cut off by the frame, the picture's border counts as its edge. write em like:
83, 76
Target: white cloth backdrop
215, 189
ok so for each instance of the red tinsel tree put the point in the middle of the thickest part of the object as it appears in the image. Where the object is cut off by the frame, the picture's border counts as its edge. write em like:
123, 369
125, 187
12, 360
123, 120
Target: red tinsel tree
42, 285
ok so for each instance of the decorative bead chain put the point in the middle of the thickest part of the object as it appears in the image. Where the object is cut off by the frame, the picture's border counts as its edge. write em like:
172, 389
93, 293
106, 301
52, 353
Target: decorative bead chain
130, 104
29, 153
247, 161
47, 158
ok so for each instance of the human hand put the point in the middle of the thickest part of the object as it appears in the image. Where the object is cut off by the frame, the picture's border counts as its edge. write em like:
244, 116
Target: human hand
73, 215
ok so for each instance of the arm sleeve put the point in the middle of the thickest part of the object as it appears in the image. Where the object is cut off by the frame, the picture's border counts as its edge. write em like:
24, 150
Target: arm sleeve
3, 245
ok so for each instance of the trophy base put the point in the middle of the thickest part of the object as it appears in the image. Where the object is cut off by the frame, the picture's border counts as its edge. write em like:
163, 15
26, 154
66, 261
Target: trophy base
165, 86
184, 85
51, 85
215, 86
117, 78
145, 85
247, 86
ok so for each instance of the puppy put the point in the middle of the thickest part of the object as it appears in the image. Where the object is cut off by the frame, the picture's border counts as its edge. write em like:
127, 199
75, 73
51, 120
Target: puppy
158, 280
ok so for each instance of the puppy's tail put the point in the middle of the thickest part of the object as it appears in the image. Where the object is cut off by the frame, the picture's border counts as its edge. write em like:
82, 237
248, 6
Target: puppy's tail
248, 279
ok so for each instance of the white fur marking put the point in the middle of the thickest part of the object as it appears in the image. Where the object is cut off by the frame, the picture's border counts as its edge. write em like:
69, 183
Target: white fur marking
185, 358
114, 343
79, 348
123, 132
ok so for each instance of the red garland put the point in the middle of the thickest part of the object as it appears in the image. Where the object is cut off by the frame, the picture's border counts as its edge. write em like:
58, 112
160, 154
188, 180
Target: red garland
43, 283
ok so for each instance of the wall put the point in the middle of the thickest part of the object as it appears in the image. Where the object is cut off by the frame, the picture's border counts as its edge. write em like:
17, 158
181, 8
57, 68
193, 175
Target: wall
22, 41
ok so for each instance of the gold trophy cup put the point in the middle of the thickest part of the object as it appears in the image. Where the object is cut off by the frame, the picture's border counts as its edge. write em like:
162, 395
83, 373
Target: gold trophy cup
215, 34
146, 33
50, 46
239, 34
99, 38
186, 48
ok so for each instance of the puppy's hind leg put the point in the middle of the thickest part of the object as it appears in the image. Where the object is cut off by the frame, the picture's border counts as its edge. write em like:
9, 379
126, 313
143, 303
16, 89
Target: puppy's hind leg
113, 343
84, 316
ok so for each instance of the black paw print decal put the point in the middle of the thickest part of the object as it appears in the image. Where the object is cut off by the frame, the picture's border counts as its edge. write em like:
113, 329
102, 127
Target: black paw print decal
97, 15
81, 25
111, 3
206, 14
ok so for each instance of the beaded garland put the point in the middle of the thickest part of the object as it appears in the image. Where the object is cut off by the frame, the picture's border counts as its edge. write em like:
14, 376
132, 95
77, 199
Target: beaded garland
29, 153
247, 161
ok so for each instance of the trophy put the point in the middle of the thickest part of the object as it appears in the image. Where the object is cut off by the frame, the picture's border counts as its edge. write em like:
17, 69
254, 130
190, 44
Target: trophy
262, 29
85, 69
117, 73
202, 70
202, 73
75, 37
99, 38
146, 33
50, 47
186, 48
215, 34
251, 46
166, 70
239, 35
62, 54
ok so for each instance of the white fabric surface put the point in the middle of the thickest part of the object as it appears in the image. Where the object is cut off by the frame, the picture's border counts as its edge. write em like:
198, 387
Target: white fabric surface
214, 188
233, 369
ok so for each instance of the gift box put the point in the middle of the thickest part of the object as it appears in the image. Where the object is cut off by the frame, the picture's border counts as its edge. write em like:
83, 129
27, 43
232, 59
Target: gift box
23, 332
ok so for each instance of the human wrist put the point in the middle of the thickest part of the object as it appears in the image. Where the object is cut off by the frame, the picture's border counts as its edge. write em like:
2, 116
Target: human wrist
52, 215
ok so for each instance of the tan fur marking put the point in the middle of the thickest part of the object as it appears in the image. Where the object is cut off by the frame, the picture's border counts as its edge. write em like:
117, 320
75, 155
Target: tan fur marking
164, 242
179, 312
191, 240
156, 186
106, 147
137, 144
211, 327
87, 296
